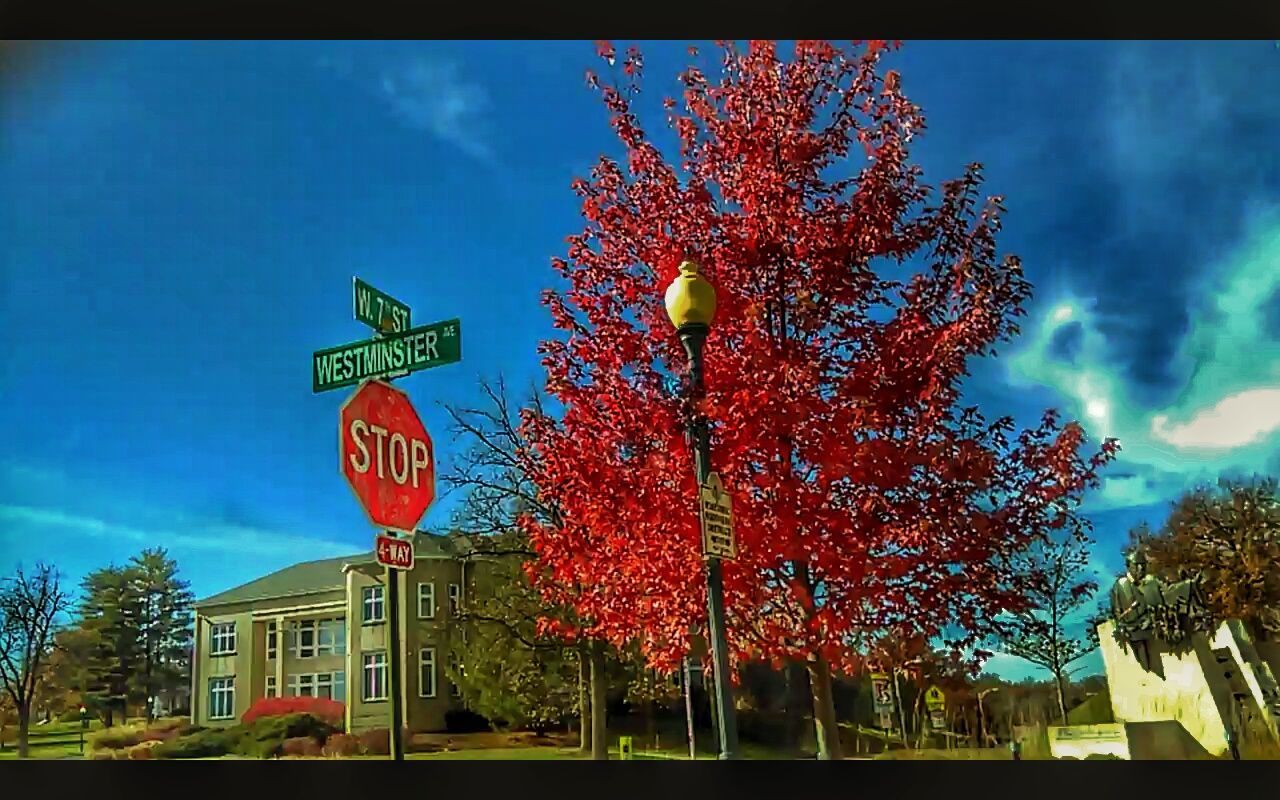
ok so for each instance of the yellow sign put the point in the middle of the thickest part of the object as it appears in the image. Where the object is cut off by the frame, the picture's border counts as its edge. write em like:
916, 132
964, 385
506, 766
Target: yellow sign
717, 520
934, 698
625, 749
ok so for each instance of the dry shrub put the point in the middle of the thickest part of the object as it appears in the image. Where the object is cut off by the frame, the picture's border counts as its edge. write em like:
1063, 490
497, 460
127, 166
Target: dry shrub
141, 752
341, 745
376, 742
301, 746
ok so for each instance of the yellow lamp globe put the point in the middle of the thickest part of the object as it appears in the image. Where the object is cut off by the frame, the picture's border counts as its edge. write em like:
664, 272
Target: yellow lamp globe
690, 299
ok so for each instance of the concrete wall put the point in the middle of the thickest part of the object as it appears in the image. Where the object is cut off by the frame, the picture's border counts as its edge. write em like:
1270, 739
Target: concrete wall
1187, 688
421, 714
237, 665
249, 665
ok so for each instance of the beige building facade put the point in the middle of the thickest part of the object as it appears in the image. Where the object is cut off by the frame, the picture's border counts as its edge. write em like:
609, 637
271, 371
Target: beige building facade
320, 629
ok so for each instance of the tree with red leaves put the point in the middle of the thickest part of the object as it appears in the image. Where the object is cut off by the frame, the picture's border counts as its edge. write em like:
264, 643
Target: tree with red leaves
866, 497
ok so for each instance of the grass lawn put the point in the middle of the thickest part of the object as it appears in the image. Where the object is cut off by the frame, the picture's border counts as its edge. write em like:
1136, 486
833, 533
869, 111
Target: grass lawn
55, 740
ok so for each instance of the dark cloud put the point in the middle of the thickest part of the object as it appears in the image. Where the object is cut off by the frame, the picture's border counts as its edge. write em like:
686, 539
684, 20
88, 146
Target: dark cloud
1066, 342
1131, 172
1271, 315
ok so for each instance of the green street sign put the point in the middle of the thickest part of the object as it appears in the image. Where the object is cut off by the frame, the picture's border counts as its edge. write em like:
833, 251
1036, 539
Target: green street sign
379, 310
392, 355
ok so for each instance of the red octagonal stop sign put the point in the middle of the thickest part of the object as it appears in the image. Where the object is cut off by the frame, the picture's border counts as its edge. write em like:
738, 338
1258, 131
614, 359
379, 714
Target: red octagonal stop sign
387, 456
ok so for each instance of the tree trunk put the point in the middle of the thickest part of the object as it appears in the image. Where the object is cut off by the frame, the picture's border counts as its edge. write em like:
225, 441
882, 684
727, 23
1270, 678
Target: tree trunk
24, 727
651, 718
1060, 681
824, 710
599, 731
584, 701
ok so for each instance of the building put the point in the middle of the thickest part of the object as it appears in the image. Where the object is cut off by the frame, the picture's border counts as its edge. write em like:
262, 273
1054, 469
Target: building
320, 629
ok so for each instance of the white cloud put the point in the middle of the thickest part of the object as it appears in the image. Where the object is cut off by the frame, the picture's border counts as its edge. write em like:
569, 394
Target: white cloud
1239, 419
208, 536
432, 96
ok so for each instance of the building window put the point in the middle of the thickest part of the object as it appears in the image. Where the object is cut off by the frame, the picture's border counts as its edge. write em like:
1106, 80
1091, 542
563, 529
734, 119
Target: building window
426, 600
454, 673
222, 698
374, 610
271, 640
455, 599
375, 676
427, 672
303, 685
331, 637
222, 639
329, 685
271, 686
305, 638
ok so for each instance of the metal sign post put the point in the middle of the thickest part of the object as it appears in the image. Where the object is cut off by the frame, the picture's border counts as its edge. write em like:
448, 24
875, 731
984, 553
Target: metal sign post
393, 667
384, 450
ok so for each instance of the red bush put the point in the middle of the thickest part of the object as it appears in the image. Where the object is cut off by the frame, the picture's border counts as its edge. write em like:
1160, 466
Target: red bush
331, 711
341, 745
301, 746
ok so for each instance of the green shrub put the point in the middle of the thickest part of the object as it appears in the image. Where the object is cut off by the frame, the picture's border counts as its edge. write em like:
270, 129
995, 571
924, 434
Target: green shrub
265, 737
204, 743
70, 715
115, 738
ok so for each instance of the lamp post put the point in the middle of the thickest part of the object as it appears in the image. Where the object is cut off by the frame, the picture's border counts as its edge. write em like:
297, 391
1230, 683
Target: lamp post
691, 304
84, 723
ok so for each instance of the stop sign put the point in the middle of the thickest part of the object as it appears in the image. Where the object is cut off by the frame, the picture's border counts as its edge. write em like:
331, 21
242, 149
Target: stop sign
387, 456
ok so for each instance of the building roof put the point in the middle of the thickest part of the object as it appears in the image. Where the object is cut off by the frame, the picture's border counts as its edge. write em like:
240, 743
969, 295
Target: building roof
325, 575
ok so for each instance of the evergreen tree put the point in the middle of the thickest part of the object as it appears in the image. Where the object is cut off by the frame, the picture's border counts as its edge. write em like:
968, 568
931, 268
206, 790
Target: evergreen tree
164, 624
109, 615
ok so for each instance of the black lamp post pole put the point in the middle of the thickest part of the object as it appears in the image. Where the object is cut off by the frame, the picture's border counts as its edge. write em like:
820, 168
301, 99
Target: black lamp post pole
693, 336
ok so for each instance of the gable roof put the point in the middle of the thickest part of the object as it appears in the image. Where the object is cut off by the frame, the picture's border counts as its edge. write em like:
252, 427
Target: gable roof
325, 575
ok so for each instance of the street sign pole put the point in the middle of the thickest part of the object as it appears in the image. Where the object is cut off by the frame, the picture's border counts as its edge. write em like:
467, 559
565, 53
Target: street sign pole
688, 706
393, 620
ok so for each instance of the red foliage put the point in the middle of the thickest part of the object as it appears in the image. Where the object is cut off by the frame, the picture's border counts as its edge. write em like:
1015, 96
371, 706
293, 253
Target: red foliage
331, 711
851, 299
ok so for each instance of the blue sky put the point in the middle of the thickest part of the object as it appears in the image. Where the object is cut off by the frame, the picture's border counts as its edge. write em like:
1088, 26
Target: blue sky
181, 222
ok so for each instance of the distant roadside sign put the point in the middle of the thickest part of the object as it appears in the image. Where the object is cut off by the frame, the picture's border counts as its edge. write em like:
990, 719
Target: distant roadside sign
934, 699
379, 310
717, 520
938, 719
881, 691
411, 350
393, 552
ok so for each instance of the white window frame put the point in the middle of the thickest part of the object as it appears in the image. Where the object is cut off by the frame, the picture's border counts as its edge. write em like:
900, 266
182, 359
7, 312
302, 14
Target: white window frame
430, 596
373, 664
336, 630
341, 697
455, 599
270, 689
300, 629
426, 666
223, 685
222, 639
300, 680
273, 640
370, 598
